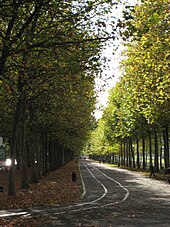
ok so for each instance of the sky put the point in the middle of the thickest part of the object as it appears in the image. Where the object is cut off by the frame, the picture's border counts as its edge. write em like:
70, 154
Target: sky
113, 73
113, 70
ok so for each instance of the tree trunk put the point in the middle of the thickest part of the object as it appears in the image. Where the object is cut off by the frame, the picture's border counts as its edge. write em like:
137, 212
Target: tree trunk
166, 146
160, 159
45, 152
44, 157
18, 149
127, 154
161, 151
124, 153
156, 152
121, 154
39, 161
11, 176
137, 151
150, 148
24, 168
143, 153
33, 143
4, 54
132, 152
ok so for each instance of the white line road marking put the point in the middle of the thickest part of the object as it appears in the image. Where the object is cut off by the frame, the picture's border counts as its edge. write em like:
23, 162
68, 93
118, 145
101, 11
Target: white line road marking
93, 201
79, 206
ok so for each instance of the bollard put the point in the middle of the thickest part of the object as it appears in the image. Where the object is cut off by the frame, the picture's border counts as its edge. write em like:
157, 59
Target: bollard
1, 188
74, 177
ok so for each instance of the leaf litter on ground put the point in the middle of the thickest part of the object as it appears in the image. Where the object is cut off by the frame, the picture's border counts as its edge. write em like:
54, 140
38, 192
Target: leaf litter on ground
56, 188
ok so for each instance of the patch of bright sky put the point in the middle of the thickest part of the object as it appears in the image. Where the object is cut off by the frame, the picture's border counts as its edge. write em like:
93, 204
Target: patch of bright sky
112, 73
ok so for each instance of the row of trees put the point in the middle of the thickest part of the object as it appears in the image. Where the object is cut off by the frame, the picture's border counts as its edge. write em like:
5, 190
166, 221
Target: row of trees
49, 58
135, 124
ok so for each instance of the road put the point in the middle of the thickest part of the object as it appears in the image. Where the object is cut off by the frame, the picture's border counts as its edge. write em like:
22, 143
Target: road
112, 197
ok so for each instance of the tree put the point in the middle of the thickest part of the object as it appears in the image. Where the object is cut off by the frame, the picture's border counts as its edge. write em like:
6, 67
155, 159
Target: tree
44, 43
138, 106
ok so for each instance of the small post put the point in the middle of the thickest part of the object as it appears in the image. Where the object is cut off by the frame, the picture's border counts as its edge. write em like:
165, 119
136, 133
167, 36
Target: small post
74, 177
1, 188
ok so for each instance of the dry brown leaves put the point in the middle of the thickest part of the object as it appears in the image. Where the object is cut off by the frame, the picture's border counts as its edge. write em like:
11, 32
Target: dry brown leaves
56, 188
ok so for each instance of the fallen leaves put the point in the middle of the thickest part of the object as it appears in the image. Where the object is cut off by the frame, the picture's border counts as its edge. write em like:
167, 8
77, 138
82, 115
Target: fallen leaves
22, 221
56, 188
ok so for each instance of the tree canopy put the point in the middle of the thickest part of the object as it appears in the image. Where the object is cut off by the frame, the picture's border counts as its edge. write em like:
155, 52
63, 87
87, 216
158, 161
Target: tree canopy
50, 54
138, 107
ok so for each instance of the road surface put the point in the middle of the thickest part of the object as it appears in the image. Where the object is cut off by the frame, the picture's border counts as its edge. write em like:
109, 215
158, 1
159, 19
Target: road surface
112, 197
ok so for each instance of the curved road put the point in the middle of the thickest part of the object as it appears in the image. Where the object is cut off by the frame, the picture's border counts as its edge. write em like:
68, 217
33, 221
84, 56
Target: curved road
112, 197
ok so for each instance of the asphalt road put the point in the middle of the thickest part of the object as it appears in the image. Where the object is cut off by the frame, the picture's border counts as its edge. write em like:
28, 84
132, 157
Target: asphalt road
113, 197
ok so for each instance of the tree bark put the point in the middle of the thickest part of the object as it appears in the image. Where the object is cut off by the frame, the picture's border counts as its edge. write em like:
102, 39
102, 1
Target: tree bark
11, 176
121, 153
143, 153
137, 151
127, 153
166, 146
132, 152
33, 143
150, 148
156, 152
24, 167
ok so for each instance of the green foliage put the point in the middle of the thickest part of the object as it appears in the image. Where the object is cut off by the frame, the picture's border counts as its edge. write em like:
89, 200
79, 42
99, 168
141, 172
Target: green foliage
146, 60
139, 103
49, 57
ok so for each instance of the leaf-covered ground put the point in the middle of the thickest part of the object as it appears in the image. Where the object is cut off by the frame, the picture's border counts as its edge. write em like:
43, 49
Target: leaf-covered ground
56, 188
